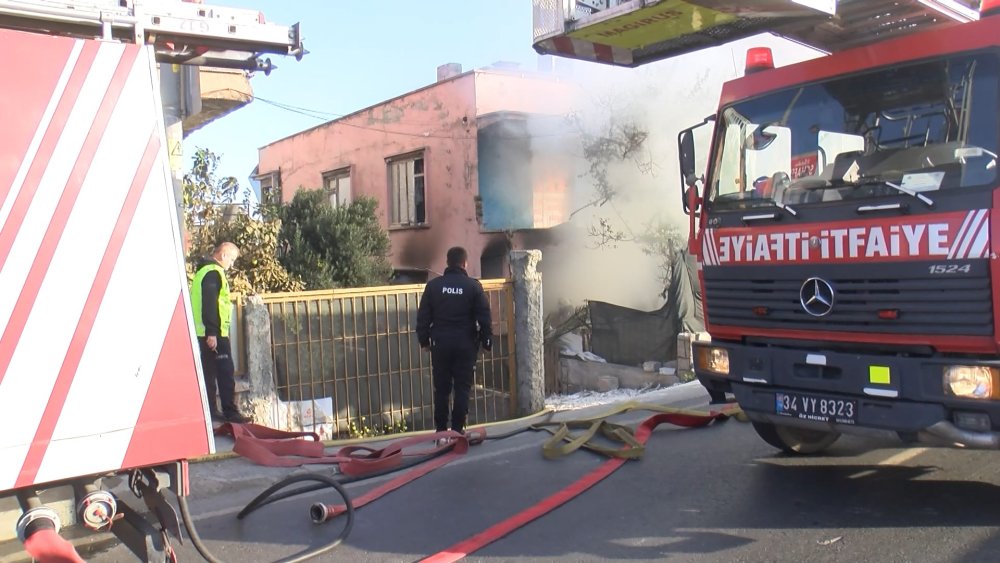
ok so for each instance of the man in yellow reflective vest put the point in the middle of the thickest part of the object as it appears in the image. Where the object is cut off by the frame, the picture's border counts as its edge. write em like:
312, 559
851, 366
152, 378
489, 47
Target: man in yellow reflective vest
212, 309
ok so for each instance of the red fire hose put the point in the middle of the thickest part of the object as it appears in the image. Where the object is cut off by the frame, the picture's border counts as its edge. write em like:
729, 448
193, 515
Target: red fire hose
288, 449
47, 546
689, 419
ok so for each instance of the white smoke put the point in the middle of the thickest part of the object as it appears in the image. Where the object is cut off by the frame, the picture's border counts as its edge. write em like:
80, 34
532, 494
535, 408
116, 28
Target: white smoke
662, 99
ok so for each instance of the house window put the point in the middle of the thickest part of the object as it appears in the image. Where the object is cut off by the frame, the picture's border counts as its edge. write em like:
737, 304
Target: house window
270, 188
338, 186
406, 190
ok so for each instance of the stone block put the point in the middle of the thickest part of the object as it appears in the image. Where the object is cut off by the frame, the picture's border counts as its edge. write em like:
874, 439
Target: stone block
607, 383
577, 375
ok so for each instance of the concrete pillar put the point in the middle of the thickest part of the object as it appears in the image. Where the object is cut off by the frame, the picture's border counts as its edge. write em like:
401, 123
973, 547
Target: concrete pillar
529, 330
260, 400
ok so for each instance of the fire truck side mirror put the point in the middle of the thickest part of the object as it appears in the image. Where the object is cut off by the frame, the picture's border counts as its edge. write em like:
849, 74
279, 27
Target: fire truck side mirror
685, 145
690, 199
692, 182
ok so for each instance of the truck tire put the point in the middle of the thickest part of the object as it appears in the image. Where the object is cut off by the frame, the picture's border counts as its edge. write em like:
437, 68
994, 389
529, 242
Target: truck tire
795, 440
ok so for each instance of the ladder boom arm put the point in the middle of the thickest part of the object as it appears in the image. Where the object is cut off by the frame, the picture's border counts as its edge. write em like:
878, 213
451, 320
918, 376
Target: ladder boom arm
181, 32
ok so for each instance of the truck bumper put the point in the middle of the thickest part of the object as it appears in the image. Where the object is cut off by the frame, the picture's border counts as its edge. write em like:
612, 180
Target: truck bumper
885, 395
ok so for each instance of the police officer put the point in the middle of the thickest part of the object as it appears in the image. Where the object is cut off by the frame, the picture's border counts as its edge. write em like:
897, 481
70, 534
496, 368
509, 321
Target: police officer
453, 321
212, 308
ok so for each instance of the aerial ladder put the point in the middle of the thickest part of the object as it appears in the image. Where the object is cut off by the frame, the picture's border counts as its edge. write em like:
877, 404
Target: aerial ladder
635, 32
181, 32
99, 378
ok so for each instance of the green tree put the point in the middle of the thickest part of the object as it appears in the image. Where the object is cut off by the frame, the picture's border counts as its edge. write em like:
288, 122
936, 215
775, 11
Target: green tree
328, 247
213, 213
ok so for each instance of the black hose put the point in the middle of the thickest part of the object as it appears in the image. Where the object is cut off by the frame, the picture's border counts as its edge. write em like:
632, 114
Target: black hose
203, 550
265, 498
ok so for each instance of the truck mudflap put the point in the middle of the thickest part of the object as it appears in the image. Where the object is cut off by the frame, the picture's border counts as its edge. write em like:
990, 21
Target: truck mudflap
866, 394
97, 364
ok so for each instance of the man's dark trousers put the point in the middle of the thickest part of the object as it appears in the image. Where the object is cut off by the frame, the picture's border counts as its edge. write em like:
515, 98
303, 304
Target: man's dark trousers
218, 369
454, 366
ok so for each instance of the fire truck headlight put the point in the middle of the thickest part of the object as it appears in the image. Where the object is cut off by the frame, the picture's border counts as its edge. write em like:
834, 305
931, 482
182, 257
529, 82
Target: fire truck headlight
713, 359
970, 382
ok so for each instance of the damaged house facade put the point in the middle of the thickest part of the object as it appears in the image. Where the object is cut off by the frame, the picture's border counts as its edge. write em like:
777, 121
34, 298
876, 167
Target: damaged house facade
472, 159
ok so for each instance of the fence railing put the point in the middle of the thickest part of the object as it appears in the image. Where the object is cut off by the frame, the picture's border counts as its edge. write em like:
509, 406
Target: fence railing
347, 362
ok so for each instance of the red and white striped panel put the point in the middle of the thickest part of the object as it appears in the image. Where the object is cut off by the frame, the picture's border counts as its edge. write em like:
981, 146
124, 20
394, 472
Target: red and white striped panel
97, 363
587, 50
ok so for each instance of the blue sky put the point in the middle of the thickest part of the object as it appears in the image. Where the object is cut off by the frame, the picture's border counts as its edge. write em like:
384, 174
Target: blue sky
361, 52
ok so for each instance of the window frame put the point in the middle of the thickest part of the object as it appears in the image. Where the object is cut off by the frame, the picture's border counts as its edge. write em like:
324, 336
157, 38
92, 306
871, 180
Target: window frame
336, 175
273, 181
394, 215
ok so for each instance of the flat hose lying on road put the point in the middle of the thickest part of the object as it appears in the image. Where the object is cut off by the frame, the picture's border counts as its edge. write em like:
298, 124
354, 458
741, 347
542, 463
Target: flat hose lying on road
264, 498
562, 443
555, 448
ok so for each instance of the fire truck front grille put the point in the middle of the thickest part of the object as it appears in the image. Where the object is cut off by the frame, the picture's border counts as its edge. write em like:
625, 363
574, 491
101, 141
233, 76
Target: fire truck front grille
955, 303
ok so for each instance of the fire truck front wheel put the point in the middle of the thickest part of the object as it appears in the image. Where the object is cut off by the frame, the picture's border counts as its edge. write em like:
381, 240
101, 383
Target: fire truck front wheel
795, 440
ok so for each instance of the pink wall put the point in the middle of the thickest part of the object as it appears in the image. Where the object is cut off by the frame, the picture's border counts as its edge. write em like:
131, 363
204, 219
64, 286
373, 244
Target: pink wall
440, 120
524, 92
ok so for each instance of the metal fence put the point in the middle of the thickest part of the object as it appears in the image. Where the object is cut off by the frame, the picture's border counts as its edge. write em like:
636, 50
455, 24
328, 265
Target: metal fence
347, 362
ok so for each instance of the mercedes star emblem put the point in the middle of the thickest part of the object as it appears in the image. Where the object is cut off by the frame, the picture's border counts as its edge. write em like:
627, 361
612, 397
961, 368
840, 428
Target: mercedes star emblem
817, 297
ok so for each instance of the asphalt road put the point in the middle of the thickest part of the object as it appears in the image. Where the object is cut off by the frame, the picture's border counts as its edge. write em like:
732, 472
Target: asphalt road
716, 494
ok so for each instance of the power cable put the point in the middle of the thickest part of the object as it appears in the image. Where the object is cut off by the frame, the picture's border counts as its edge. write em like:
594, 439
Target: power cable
325, 117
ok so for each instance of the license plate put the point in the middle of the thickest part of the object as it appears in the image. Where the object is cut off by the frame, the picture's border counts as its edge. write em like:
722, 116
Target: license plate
811, 407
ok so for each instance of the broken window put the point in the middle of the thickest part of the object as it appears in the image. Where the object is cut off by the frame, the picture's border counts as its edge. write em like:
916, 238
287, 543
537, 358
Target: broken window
406, 190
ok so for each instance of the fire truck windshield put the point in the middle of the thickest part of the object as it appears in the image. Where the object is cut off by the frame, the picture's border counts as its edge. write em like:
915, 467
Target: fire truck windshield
913, 129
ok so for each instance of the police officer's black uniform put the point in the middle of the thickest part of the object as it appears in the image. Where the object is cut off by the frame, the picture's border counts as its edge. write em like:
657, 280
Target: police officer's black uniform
453, 321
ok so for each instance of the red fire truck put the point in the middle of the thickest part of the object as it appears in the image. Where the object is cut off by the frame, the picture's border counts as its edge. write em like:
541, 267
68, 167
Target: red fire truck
840, 208
98, 372
844, 228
